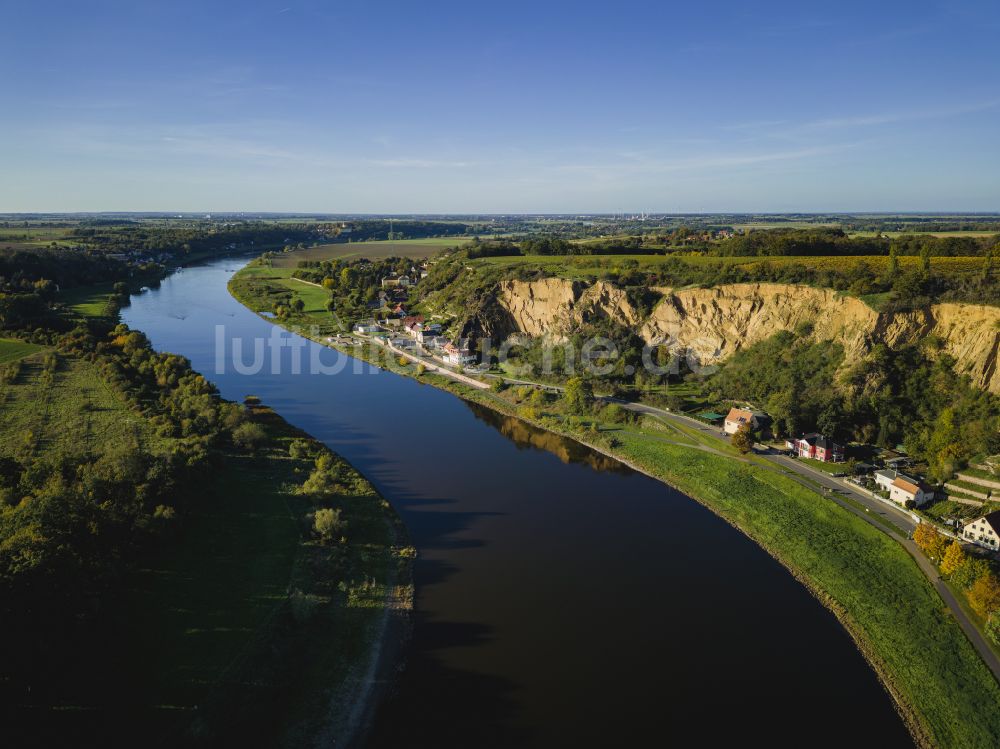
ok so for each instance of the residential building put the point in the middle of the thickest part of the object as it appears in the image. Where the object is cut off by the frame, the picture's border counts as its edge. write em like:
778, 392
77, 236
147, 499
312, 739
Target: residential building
425, 333
410, 323
458, 354
758, 420
817, 447
367, 327
905, 490
984, 531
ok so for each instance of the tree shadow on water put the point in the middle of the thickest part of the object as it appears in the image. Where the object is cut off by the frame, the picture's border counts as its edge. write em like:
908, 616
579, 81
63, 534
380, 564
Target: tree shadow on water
436, 704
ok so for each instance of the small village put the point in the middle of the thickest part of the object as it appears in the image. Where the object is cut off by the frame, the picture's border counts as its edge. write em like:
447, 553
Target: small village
409, 333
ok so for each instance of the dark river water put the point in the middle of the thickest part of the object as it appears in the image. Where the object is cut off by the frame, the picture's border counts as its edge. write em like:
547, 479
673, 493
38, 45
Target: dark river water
561, 599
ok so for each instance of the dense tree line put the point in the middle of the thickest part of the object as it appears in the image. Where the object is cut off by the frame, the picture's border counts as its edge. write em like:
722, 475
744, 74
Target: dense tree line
828, 241
379, 229
200, 239
30, 282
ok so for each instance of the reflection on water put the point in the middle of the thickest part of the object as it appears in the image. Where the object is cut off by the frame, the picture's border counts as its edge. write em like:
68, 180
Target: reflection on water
526, 435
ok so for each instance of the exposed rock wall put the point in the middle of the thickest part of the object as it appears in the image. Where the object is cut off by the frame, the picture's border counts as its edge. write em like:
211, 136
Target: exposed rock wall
716, 322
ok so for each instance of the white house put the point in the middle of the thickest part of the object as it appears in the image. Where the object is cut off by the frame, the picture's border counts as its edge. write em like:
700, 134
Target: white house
367, 328
458, 354
885, 477
984, 531
905, 489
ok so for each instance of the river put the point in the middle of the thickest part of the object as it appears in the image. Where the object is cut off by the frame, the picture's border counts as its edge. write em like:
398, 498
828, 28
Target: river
561, 599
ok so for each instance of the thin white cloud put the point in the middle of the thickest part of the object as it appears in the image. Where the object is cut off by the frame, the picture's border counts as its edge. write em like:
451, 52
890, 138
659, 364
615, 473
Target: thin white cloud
406, 163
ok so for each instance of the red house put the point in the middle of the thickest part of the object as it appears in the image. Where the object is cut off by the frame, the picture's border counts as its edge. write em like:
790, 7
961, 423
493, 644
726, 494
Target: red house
817, 447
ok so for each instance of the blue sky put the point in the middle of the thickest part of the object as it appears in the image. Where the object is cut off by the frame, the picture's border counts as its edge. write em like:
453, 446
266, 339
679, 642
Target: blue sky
440, 107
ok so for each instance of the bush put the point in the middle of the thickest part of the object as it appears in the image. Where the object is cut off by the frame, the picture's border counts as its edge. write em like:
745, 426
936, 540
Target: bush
249, 436
327, 523
299, 449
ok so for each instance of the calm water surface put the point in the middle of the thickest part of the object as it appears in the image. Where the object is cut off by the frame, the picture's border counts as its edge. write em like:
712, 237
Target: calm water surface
561, 599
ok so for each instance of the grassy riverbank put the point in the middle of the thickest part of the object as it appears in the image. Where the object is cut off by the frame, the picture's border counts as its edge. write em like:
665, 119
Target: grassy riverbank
946, 693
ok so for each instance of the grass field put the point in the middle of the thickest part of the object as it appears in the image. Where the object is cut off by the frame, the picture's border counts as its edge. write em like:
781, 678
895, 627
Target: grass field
73, 409
411, 248
269, 284
87, 301
12, 350
32, 237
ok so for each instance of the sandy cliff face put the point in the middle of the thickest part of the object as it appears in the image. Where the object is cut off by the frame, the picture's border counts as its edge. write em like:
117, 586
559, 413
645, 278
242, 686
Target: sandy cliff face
554, 306
714, 323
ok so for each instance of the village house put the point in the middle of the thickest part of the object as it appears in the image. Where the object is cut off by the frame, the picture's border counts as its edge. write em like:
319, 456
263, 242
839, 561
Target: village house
366, 327
426, 332
902, 488
817, 447
984, 531
410, 323
458, 354
758, 420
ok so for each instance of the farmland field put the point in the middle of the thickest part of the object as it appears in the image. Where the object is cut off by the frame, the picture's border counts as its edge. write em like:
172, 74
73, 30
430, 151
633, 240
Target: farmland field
33, 237
412, 248
12, 350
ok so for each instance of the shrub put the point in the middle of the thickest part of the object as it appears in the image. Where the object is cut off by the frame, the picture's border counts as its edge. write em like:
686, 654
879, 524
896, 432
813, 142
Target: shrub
249, 436
327, 523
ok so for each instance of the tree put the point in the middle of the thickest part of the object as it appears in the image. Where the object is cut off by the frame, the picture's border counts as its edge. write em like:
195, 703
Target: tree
299, 449
954, 558
579, 394
249, 436
984, 596
298, 305
930, 541
969, 572
993, 627
327, 522
743, 439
